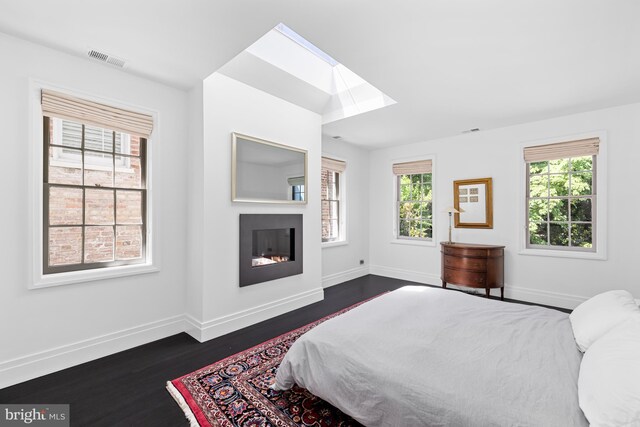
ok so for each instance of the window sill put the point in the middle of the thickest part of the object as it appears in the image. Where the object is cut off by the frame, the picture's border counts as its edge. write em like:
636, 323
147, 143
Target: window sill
563, 254
72, 277
413, 242
334, 244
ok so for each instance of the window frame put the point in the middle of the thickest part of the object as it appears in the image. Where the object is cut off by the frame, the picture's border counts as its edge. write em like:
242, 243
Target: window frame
599, 211
46, 226
341, 239
342, 205
35, 178
406, 240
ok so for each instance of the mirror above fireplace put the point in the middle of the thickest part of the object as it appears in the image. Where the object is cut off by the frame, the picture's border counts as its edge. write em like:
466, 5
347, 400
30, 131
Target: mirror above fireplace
267, 172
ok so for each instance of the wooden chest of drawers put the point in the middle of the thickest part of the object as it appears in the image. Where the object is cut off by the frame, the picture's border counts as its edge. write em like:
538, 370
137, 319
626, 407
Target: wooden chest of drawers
476, 266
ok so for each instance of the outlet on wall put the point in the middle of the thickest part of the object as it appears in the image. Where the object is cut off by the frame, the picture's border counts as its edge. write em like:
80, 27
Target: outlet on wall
361, 262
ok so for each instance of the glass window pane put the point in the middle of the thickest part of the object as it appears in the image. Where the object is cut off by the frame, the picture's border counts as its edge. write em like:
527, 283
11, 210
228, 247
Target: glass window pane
582, 235
427, 211
558, 165
65, 206
96, 138
426, 192
582, 163
98, 244
581, 183
538, 167
125, 142
416, 179
128, 172
427, 229
558, 210
539, 186
409, 210
405, 192
538, 233
65, 246
559, 234
129, 207
558, 185
128, 242
98, 205
98, 169
581, 210
426, 177
414, 229
405, 179
404, 228
538, 210
65, 166
65, 132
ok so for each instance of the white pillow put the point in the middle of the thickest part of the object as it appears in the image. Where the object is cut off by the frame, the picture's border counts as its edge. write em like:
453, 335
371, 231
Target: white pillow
609, 379
596, 316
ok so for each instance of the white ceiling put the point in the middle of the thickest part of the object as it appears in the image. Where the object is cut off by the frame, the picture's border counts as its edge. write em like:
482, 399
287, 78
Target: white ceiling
451, 65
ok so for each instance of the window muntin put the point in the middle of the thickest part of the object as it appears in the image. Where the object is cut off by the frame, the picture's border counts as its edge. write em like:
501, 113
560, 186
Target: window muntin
414, 206
330, 204
561, 204
94, 197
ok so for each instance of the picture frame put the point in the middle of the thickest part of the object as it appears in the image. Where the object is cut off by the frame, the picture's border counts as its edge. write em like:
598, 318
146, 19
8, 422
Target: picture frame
477, 213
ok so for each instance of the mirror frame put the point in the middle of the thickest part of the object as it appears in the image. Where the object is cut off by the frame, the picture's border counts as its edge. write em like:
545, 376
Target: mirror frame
234, 144
488, 203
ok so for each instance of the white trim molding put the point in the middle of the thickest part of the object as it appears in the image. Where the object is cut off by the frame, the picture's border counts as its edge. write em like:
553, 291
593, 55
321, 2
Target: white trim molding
344, 276
535, 296
34, 365
204, 331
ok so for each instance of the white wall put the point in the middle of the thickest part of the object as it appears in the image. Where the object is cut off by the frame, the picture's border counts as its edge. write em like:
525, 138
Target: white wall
497, 154
44, 330
342, 262
231, 106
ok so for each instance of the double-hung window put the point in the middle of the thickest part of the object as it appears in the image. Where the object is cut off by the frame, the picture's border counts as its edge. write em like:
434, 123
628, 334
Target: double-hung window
561, 195
332, 202
414, 201
94, 185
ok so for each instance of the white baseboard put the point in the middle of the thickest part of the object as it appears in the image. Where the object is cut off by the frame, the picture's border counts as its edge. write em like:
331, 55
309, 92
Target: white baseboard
46, 362
344, 276
537, 296
204, 331
555, 299
402, 274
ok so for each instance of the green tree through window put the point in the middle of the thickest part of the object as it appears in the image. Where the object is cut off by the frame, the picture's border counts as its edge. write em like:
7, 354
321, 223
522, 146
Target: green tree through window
414, 209
561, 199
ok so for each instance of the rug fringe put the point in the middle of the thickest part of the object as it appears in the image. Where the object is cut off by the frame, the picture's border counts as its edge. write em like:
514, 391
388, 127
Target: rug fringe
188, 413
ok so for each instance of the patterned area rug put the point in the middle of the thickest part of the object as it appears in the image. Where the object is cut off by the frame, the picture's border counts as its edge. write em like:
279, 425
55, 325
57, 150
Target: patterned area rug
235, 391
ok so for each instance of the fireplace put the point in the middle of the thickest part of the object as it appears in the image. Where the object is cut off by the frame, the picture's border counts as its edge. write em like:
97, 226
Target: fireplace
270, 247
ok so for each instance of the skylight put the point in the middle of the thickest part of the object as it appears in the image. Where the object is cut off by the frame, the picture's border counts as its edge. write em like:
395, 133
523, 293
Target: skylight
287, 65
307, 44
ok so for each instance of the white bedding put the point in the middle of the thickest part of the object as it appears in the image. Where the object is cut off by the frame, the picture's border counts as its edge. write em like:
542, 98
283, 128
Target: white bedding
428, 356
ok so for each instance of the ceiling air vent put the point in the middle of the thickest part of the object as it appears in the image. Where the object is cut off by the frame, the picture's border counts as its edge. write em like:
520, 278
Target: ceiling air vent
106, 58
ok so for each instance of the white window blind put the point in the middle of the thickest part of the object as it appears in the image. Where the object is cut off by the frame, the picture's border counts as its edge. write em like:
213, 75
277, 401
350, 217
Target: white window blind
562, 150
55, 104
413, 168
333, 165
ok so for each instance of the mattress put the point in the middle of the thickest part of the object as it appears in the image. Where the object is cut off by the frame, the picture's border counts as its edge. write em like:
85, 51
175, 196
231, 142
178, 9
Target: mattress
436, 357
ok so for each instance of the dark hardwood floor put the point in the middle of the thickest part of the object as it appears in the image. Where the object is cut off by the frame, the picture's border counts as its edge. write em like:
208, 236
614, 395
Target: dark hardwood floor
128, 388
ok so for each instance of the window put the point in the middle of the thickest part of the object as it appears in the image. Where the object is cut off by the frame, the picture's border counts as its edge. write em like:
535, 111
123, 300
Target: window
296, 186
414, 201
561, 195
94, 187
331, 200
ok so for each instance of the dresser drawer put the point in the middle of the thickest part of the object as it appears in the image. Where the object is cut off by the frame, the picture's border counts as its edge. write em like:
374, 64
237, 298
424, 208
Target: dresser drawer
461, 251
466, 278
464, 263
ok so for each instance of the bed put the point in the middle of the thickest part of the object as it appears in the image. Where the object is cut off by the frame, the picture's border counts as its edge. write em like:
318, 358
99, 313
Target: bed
428, 356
